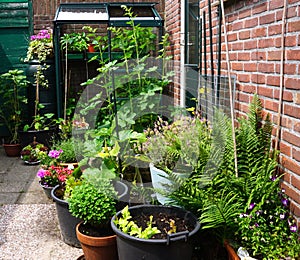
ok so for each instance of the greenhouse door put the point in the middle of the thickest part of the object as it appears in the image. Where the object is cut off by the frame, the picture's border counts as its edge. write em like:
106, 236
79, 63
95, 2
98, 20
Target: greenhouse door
15, 27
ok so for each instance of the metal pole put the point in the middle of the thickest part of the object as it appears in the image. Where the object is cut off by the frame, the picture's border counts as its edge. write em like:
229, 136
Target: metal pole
205, 63
230, 90
219, 53
211, 53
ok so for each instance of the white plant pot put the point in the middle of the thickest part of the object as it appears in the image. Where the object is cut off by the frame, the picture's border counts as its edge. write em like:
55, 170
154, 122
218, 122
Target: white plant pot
159, 180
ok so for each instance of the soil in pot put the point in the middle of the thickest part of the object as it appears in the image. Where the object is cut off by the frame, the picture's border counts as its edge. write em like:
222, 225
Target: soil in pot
164, 222
177, 245
97, 248
89, 230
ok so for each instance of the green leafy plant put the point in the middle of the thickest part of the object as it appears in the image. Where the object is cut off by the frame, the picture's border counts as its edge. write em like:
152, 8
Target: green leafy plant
75, 179
247, 209
12, 92
74, 42
40, 48
92, 202
129, 227
69, 148
34, 152
42, 121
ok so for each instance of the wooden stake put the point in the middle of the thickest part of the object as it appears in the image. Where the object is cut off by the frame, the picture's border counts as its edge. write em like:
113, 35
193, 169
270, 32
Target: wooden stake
281, 74
230, 90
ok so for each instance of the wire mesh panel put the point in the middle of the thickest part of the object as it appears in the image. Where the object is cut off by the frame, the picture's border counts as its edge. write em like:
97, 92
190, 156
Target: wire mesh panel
208, 93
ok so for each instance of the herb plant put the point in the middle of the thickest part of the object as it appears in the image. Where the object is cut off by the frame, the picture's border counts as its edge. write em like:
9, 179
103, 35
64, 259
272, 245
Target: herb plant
94, 203
12, 92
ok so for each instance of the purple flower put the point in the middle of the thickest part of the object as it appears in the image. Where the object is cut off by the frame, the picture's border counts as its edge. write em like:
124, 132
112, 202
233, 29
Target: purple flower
251, 206
41, 173
258, 212
285, 202
54, 153
256, 225
273, 178
293, 228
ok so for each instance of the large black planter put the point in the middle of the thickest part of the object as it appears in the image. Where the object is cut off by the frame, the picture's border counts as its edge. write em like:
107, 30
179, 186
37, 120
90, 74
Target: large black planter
47, 96
67, 222
41, 136
178, 246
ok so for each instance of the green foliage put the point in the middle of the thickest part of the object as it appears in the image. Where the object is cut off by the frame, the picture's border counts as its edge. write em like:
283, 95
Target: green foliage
130, 227
247, 209
127, 90
94, 203
71, 182
75, 41
12, 91
70, 149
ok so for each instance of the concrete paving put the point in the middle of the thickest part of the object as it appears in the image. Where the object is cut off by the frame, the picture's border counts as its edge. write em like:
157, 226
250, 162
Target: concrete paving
29, 227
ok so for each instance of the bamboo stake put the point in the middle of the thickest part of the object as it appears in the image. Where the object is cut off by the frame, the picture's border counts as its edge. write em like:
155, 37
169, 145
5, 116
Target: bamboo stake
281, 74
230, 89
66, 85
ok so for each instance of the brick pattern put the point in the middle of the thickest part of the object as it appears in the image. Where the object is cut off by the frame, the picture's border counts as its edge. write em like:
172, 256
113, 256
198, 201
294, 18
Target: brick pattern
254, 38
172, 26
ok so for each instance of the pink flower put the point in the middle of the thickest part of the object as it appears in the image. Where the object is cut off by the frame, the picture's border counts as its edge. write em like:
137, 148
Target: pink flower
41, 173
54, 153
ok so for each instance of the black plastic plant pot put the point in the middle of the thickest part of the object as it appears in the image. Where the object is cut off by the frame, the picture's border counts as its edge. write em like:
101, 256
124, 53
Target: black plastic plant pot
41, 136
67, 222
177, 246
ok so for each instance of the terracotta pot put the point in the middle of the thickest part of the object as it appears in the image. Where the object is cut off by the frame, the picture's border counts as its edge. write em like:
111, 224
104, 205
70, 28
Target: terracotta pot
98, 248
232, 255
12, 150
91, 48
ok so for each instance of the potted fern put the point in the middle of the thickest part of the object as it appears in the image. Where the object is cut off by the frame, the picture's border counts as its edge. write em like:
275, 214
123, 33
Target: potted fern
246, 207
12, 92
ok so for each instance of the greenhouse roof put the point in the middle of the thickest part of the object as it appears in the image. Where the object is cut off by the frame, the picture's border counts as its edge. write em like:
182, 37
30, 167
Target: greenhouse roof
110, 13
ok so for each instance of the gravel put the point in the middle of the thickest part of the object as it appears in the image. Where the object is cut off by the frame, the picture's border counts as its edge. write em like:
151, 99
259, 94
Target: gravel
31, 232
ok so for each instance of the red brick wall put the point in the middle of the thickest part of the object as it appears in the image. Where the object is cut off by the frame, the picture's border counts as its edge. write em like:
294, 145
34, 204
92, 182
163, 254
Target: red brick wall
254, 37
172, 26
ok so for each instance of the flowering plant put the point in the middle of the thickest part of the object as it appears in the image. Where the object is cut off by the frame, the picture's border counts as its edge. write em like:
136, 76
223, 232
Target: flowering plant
266, 228
51, 172
177, 144
40, 46
33, 152
53, 175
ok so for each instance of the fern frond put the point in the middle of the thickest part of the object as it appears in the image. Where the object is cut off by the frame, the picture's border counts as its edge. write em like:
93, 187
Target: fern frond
221, 211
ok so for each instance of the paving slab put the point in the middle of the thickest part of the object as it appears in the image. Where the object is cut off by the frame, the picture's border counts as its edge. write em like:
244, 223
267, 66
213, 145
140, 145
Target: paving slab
29, 228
